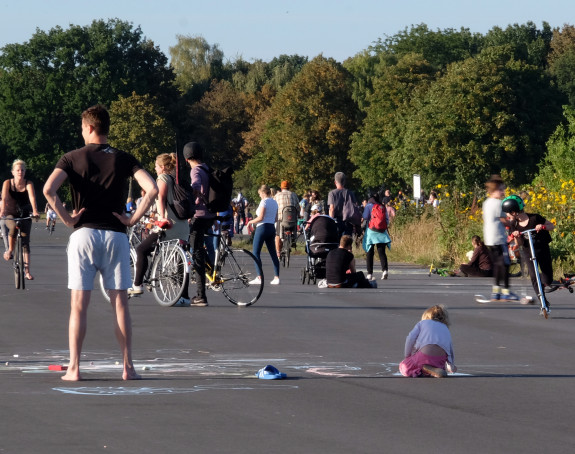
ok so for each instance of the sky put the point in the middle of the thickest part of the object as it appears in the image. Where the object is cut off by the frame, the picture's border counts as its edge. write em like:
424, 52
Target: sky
264, 29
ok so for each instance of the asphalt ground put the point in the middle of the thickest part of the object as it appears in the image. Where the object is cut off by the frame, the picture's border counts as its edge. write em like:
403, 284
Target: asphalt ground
340, 350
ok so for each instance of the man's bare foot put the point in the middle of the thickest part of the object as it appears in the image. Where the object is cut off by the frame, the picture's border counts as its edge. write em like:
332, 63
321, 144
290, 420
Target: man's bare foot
130, 374
71, 376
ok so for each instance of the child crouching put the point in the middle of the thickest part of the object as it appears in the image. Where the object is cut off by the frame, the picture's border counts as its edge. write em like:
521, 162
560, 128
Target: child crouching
428, 347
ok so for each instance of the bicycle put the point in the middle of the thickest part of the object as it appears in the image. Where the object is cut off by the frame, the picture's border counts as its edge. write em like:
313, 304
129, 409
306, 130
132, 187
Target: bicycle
168, 270
288, 241
232, 271
51, 225
19, 264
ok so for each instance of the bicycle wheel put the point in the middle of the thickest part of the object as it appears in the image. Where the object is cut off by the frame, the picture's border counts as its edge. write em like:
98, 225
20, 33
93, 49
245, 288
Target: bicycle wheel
288, 252
238, 269
169, 274
132, 272
19, 265
515, 268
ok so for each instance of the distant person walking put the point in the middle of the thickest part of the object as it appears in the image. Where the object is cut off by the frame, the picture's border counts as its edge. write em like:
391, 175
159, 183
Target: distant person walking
336, 200
376, 235
265, 220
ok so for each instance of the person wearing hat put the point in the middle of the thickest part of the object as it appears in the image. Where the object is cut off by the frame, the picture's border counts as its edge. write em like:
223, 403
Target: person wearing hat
284, 198
202, 220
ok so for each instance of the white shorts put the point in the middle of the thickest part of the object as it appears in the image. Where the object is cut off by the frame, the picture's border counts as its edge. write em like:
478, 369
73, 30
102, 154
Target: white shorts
90, 251
52, 214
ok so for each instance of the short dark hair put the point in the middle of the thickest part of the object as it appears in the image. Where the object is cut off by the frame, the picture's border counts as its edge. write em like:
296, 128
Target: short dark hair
345, 241
98, 117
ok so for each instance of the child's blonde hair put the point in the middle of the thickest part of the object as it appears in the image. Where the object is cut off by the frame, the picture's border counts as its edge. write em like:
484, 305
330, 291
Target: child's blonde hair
438, 313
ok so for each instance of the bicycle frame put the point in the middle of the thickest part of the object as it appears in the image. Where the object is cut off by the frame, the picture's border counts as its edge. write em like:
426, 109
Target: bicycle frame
544, 305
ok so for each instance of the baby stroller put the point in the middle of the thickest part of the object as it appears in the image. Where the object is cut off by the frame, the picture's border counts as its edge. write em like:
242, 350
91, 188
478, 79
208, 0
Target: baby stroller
320, 237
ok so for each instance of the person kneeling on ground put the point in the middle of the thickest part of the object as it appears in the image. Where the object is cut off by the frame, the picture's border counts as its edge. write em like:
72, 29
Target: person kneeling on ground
480, 263
340, 267
428, 346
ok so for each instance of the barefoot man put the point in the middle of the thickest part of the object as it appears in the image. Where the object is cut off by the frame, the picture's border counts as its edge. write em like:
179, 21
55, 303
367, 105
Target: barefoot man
98, 176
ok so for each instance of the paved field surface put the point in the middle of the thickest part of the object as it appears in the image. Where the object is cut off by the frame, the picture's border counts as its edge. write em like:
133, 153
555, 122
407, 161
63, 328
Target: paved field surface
339, 348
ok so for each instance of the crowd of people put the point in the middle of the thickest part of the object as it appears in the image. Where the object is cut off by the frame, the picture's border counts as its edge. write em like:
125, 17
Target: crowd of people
97, 174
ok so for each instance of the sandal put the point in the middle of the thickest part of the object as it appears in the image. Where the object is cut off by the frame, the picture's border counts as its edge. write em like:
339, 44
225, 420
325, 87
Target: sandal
8, 256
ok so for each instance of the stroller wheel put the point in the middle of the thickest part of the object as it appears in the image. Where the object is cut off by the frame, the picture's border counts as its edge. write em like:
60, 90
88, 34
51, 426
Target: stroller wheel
303, 275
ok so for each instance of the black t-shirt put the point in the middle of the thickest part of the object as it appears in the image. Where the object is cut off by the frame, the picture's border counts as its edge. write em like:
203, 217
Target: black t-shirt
540, 238
98, 175
337, 263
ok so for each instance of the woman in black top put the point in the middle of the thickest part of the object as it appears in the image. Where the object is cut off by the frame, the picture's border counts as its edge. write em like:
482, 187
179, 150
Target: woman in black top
19, 200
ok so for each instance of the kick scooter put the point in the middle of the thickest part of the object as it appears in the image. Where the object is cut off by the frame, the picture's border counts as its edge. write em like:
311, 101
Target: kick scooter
544, 305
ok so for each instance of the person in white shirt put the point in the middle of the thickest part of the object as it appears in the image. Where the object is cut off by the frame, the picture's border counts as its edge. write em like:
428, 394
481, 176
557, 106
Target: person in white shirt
495, 238
265, 220
428, 346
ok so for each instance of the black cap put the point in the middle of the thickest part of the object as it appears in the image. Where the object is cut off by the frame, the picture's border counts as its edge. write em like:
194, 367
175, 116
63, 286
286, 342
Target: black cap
193, 150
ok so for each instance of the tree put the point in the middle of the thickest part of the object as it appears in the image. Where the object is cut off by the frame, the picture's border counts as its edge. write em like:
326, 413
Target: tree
139, 127
372, 143
218, 120
196, 63
439, 47
562, 60
559, 162
490, 114
48, 81
306, 139
529, 44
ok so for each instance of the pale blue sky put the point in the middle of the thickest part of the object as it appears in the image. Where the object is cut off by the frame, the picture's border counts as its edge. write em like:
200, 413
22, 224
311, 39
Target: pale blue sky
264, 29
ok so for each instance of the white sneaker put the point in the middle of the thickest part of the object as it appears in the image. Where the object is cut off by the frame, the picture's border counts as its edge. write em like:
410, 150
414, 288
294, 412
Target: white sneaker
384, 275
256, 281
275, 281
136, 290
369, 277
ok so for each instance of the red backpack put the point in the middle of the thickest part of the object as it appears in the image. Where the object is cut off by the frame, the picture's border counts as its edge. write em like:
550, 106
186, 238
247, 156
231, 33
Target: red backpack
378, 219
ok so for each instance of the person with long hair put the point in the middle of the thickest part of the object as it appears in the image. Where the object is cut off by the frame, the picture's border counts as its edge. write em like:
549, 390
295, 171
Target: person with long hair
19, 200
266, 217
428, 346
165, 168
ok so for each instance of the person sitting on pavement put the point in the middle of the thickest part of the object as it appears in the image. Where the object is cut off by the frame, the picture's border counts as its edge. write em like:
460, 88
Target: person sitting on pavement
428, 346
479, 264
340, 268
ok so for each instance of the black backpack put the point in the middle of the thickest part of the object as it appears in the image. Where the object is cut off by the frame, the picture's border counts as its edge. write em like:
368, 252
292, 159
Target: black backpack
221, 187
183, 199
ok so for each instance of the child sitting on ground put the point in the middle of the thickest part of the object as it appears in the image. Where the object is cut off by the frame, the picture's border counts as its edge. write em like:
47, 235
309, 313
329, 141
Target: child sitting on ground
428, 347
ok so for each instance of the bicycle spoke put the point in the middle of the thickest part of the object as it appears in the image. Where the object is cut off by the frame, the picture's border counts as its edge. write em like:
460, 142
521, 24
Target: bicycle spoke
238, 269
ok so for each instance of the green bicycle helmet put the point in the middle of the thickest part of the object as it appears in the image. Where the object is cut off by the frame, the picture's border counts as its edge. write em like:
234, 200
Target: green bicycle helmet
512, 204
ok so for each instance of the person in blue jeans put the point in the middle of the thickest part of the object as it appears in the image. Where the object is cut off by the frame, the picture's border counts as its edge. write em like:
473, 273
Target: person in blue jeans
266, 216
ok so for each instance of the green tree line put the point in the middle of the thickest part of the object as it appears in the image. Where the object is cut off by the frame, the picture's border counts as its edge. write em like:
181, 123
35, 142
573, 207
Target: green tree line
450, 105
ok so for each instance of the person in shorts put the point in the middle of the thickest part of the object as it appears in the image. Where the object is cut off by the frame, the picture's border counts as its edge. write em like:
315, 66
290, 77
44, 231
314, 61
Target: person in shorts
98, 176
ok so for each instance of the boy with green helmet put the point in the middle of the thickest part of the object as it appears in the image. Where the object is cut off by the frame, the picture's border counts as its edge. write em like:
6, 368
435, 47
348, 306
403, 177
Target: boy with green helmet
519, 221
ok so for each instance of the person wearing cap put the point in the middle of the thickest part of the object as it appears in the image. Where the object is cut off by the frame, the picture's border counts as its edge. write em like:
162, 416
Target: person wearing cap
284, 198
202, 220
